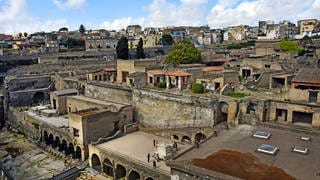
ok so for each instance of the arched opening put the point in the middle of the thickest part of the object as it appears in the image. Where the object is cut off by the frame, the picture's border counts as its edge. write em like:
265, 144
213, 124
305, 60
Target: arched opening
175, 137
108, 167
223, 112
134, 175
50, 140
149, 178
71, 150
46, 137
78, 153
120, 172
56, 142
186, 139
199, 137
38, 97
95, 162
64, 146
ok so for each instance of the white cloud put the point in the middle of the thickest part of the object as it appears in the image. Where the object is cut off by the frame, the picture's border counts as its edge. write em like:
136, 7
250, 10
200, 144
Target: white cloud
250, 12
165, 13
186, 12
69, 4
121, 23
15, 18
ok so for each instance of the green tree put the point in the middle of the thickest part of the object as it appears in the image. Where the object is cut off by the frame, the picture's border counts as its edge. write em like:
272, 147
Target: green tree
140, 51
122, 48
82, 29
289, 46
197, 88
25, 34
167, 40
73, 43
20, 35
183, 52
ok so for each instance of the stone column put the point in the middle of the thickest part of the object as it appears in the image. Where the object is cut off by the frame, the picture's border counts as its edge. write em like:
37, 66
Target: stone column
179, 83
168, 82
290, 116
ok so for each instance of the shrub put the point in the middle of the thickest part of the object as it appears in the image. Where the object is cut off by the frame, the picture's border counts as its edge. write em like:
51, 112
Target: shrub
162, 85
197, 88
237, 95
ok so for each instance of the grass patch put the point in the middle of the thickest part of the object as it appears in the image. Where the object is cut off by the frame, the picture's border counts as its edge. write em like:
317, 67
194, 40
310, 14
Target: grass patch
237, 95
239, 45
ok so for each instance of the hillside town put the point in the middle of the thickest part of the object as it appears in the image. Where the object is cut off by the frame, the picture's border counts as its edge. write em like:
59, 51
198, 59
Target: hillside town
158, 103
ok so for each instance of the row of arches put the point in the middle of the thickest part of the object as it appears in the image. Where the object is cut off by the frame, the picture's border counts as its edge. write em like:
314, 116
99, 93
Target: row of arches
62, 145
117, 171
199, 137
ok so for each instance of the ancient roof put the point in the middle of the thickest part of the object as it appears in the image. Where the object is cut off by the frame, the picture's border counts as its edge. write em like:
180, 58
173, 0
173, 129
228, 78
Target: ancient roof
177, 73
308, 75
213, 68
221, 59
135, 74
110, 69
65, 92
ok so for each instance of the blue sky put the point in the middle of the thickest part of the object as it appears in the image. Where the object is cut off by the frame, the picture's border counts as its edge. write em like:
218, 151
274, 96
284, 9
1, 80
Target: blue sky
47, 15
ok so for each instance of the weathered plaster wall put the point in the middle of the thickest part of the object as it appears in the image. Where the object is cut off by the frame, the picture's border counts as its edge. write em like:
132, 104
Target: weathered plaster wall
109, 92
165, 110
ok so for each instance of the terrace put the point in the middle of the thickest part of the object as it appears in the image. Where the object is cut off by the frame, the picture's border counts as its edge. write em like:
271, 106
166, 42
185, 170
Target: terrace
294, 152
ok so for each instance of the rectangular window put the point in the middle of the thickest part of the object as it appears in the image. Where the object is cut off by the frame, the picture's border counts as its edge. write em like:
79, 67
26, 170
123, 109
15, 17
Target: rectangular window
150, 80
124, 76
75, 132
313, 96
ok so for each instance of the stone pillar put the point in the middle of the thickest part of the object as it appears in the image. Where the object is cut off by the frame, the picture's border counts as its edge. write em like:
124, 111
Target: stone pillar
272, 112
113, 168
290, 116
316, 120
179, 83
168, 82
285, 83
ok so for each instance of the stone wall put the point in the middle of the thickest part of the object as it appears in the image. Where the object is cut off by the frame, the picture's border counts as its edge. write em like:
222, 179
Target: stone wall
24, 123
290, 108
1, 111
109, 92
168, 110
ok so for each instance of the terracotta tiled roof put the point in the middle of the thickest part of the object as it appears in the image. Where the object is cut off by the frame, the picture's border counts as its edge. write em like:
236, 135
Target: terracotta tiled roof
213, 68
221, 59
177, 73
237, 53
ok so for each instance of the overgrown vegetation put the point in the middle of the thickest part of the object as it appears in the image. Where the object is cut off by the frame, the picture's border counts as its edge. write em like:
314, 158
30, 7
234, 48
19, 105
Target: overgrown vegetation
73, 43
237, 95
239, 45
289, 46
197, 88
167, 40
122, 48
35, 125
162, 85
183, 52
